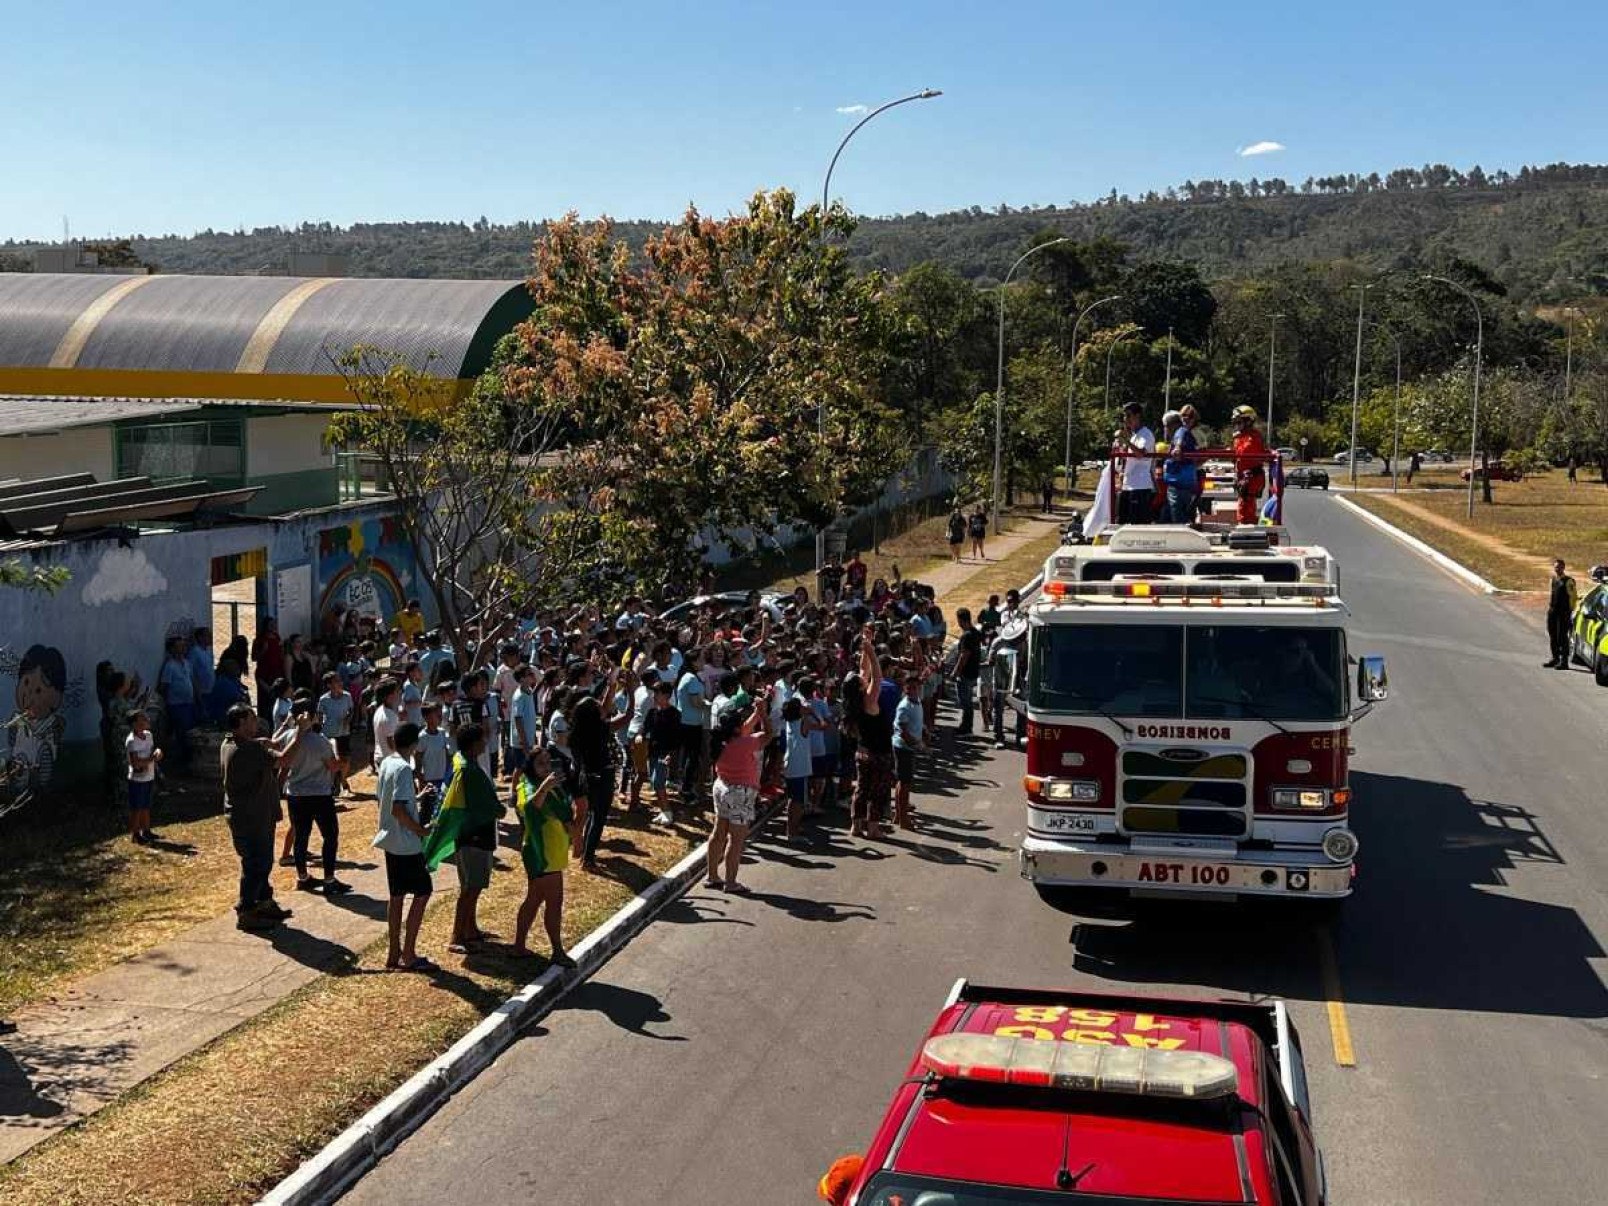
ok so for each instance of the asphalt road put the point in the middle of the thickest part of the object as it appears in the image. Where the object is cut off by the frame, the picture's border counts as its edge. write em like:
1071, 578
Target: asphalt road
740, 1045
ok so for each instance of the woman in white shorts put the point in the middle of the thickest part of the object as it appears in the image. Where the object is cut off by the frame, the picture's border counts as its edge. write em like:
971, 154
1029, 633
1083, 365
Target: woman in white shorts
738, 744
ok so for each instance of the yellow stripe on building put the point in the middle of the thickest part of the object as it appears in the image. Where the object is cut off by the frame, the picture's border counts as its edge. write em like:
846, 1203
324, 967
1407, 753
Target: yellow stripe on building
72, 344
255, 358
243, 386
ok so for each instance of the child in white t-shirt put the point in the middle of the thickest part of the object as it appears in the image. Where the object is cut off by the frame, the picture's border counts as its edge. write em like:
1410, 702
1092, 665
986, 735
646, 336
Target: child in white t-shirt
139, 749
432, 757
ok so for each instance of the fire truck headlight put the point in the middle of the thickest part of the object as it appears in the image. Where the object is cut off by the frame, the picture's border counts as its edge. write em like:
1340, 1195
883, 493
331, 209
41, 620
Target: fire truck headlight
1340, 845
1086, 791
1295, 798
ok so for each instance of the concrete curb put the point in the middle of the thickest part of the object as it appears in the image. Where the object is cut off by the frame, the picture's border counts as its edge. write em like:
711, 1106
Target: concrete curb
358, 1148
1456, 568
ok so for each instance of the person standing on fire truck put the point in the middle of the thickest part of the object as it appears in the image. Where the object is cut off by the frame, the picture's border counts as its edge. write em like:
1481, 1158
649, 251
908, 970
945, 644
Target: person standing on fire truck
1138, 488
1250, 467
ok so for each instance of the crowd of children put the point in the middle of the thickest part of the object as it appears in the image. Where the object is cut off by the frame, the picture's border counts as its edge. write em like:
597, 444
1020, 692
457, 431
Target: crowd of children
816, 705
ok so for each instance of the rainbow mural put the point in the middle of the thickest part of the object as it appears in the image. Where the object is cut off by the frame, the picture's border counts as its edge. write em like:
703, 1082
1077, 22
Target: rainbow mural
368, 566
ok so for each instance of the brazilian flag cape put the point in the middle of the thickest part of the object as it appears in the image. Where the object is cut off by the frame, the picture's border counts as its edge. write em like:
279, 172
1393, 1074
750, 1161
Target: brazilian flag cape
546, 843
470, 803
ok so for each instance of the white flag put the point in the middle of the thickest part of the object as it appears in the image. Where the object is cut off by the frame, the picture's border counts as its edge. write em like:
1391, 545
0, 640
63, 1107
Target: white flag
1099, 516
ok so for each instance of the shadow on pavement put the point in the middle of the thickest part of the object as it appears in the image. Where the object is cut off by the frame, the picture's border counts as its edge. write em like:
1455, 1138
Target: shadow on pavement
1431, 925
704, 907
805, 909
625, 1007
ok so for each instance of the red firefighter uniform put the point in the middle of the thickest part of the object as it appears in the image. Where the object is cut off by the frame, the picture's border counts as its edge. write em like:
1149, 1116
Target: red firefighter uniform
1250, 464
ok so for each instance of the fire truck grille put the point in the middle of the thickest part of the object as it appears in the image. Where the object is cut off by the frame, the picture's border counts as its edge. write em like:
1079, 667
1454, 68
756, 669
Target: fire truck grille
1186, 792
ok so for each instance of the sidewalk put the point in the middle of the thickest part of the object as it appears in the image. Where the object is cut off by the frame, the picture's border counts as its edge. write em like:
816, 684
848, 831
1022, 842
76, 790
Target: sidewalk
109, 1032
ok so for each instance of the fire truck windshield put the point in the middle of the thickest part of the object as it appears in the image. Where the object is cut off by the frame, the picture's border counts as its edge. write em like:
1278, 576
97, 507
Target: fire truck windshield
1205, 672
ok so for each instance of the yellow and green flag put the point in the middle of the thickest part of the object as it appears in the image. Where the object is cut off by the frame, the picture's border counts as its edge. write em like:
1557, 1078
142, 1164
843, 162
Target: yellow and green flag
470, 803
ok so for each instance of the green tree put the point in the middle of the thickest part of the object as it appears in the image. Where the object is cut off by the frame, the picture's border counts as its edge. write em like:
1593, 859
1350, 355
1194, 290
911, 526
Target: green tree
468, 478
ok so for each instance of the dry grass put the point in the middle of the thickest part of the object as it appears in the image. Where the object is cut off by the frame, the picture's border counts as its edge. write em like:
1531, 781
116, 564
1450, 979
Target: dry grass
1011, 571
229, 1121
78, 896
915, 550
1511, 541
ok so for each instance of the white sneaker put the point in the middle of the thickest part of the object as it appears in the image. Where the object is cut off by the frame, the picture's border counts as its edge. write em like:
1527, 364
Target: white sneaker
664, 818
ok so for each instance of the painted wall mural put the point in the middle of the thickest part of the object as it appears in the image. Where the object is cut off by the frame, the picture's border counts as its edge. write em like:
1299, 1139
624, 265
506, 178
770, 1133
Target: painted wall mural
368, 566
31, 735
122, 576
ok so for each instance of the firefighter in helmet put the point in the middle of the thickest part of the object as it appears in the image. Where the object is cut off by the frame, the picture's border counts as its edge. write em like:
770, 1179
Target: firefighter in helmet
1250, 463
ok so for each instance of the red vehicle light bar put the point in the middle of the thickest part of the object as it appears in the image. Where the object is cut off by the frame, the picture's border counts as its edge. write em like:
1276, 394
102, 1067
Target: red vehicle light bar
1083, 1067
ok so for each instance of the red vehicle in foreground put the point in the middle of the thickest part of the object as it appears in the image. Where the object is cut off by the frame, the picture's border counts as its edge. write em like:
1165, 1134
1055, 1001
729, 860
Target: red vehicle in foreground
1025, 1097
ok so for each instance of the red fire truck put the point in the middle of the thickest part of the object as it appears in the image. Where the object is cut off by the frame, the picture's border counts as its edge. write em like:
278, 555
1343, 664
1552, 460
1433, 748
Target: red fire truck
1020, 1097
1189, 699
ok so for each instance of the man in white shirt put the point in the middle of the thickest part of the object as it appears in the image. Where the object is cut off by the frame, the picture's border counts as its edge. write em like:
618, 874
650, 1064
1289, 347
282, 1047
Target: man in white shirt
1135, 472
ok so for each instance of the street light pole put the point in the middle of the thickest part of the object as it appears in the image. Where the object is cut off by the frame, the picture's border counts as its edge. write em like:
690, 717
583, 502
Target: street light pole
1568, 356
1166, 389
999, 380
1395, 437
826, 201
1479, 356
1105, 398
1356, 382
1272, 344
1071, 380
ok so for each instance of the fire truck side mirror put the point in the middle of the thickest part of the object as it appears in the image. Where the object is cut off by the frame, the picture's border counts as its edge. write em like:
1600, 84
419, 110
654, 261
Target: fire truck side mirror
1372, 683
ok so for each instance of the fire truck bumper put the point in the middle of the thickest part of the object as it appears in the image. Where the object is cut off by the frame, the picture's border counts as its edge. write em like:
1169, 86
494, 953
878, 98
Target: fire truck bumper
1157, 868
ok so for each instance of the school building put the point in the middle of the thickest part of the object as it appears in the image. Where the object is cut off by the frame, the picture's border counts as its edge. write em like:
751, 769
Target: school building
163, 439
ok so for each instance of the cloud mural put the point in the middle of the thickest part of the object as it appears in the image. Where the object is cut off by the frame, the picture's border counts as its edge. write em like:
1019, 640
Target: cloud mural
123, 575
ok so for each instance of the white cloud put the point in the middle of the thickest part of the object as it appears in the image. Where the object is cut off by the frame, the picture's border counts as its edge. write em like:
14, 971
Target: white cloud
123, 575
853, 110
1265, 147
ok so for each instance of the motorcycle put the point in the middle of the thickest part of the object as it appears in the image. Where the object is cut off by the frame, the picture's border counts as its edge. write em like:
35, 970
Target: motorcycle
1072, 530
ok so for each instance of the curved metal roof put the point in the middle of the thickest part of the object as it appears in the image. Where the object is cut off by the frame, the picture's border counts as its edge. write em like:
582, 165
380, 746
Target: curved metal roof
289, 326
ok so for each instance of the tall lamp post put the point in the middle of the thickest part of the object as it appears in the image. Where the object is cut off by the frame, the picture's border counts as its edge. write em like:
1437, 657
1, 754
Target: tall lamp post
1166, 388
826, 201
1395, 435
1356, 382
999, 380
1479, 355
1072, 377
1105, 398
1272, 345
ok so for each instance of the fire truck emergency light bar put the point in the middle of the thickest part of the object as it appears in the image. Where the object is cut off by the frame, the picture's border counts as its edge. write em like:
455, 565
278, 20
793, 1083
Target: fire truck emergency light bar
1081, 1067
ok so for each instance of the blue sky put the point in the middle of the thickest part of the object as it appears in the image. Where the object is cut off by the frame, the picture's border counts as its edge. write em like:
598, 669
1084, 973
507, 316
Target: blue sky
154, 118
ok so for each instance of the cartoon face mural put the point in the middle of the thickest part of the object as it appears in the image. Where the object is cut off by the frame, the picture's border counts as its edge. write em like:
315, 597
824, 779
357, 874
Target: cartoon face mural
31, 737
368, 566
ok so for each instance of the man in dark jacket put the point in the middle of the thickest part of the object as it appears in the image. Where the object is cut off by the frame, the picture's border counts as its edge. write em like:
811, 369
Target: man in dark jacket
251, 803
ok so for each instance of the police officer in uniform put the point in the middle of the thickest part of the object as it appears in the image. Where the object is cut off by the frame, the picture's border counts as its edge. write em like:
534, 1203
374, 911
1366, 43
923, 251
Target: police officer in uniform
1560, 614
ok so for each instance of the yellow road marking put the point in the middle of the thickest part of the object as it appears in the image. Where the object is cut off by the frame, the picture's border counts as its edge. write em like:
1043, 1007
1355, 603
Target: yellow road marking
1339, 1025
